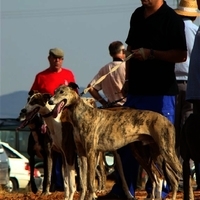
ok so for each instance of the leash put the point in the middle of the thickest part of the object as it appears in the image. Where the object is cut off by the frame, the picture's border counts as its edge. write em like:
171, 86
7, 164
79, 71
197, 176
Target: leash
104, 76
108, 105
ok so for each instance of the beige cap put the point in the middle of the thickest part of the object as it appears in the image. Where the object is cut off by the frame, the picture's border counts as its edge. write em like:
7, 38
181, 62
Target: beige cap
188, 8
56, 52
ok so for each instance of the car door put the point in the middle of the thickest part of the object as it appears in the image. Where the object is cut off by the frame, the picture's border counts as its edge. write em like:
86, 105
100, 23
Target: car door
4, 167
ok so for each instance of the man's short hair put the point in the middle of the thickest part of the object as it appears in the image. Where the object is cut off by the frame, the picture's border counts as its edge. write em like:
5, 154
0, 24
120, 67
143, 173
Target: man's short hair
115, 47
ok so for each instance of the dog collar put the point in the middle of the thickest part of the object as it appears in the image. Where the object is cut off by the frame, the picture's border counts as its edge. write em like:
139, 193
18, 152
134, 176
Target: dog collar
47, 115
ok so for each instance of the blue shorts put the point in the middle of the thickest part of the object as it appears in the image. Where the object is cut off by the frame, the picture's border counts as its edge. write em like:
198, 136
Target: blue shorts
164, 105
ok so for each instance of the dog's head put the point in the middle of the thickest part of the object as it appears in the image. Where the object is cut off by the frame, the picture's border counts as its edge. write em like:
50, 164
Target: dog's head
37, 102
22, 114
64, 96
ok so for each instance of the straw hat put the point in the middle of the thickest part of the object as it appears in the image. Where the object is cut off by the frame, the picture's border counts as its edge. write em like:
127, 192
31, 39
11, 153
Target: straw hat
188, 8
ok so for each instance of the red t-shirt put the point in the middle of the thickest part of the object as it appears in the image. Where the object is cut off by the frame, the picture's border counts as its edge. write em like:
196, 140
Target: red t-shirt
47, 81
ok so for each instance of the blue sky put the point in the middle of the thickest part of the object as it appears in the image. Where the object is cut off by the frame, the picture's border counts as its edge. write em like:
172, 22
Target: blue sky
83, 29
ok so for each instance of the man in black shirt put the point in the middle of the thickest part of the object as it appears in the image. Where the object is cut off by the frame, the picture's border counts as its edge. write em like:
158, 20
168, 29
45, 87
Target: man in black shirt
157, 39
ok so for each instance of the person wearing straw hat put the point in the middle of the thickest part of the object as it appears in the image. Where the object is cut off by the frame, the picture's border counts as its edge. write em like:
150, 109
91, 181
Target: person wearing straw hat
193, 86
188, 10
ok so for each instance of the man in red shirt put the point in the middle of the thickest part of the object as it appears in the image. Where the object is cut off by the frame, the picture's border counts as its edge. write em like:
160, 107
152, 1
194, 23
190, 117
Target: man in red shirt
55, 75
46, 82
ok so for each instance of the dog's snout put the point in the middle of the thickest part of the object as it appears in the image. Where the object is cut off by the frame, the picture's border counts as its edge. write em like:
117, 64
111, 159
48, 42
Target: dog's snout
50, 102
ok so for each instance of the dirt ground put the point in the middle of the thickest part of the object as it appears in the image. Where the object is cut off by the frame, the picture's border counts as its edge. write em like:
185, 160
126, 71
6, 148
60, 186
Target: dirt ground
140, 194
59, 195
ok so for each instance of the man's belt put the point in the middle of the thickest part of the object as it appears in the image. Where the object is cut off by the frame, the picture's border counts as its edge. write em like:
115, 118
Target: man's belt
181, 81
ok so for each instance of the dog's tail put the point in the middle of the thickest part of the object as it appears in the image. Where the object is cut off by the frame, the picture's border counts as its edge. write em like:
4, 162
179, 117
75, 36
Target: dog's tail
173, 163
168, 148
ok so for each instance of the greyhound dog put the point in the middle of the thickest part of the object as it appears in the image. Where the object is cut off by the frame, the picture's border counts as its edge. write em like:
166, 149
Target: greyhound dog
62, 143
38, 103
105, 130
61, 134
39, 143
189, 149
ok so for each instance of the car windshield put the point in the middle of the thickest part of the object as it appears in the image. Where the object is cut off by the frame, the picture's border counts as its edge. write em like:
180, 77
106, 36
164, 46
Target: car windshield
10, 153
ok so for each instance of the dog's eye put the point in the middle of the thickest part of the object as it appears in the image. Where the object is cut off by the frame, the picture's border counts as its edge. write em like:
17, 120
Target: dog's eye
55, 91
61, 92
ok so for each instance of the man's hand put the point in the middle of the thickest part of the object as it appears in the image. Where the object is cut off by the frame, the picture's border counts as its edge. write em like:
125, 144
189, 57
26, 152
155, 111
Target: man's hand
141, 54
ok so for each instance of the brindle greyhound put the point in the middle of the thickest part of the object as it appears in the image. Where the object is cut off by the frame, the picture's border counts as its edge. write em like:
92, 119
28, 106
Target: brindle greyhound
105, 130
189, 149
38, 100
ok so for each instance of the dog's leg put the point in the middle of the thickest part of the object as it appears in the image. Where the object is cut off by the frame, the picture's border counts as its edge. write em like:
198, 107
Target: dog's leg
91, 156
31, 153
191, 190
173, 179
50, 166
145, 156
157, 182
82, 160
99, 179
47, 169
66, 181
188, 191
100, 172
158, 191
121, 173
32, 181
70, 170
153, 193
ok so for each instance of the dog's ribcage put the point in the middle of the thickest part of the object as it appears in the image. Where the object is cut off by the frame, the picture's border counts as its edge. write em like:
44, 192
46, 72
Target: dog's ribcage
112, 130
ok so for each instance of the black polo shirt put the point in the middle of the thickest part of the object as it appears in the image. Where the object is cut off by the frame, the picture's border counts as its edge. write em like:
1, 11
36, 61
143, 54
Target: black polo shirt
163, 30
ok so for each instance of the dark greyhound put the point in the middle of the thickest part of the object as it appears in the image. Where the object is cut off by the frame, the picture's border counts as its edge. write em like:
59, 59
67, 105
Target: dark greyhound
189, 149
39, 143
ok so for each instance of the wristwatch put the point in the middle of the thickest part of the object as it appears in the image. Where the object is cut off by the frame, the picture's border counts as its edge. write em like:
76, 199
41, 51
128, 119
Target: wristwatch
151, 55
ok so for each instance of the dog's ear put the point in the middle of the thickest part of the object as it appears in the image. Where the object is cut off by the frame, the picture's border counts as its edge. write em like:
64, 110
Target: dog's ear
46, 97
73, 85
32, 92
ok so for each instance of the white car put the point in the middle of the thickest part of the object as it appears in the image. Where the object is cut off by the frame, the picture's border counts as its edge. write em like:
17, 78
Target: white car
4, 168
19, 169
